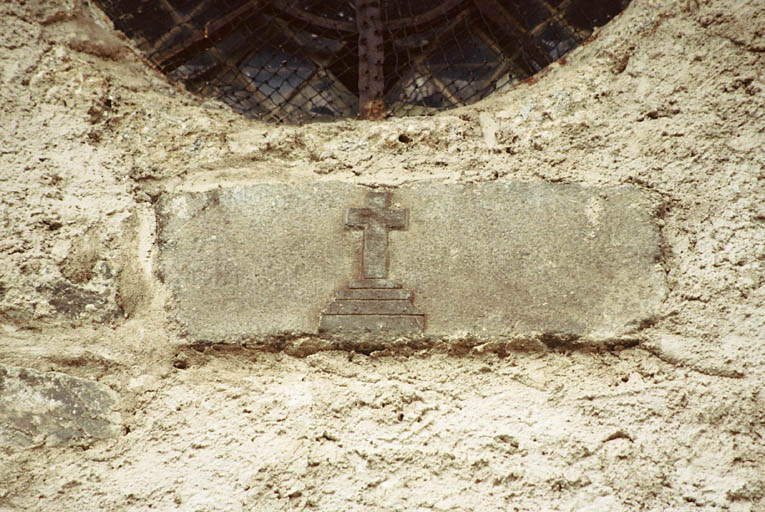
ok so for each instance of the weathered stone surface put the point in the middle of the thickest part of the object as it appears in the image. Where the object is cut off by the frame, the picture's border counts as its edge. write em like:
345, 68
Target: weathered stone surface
53, 408
373, 309
483, 260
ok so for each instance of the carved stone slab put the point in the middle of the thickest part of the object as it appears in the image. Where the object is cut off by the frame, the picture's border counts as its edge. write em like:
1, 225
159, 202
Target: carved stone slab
481, 260
374, 303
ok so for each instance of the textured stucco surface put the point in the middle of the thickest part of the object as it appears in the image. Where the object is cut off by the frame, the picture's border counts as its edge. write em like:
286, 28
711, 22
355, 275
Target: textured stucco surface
668, 98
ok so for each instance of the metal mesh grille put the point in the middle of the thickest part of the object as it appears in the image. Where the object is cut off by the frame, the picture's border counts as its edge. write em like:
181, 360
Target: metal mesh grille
300, 60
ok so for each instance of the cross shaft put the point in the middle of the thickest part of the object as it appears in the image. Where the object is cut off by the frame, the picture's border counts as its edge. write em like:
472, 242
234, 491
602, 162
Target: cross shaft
376, 219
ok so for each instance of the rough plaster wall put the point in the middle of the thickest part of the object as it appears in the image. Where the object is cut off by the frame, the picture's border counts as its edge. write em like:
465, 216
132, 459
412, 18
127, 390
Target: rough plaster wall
669, 97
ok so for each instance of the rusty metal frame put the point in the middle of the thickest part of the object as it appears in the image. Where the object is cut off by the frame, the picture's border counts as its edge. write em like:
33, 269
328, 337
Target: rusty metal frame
214, 32
361, 68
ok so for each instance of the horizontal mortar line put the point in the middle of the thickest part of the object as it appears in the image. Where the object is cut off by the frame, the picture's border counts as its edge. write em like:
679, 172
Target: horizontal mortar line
372, 314
371, 300
364, 294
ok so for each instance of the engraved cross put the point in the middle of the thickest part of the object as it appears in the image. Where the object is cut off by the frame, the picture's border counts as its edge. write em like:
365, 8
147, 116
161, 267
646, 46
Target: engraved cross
376, 219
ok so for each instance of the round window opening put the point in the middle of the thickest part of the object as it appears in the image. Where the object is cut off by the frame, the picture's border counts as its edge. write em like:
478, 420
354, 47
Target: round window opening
303, 60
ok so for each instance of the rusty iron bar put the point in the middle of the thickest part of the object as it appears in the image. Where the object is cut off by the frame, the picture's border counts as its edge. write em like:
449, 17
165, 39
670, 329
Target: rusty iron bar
397, 27
371, 56
181, 22
318, 23
557, 14
495, 13
213, 33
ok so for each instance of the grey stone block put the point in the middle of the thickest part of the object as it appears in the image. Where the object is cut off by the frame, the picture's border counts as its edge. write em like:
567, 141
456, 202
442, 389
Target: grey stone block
54, 409
481, 260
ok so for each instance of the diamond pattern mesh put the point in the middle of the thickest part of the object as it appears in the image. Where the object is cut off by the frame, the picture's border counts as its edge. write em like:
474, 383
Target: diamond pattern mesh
302, 60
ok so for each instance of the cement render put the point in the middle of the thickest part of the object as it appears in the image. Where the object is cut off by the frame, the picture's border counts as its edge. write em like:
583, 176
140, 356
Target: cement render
667, 98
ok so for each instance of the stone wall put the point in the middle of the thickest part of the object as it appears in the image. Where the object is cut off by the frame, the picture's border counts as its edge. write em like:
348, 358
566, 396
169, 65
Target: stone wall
666, 100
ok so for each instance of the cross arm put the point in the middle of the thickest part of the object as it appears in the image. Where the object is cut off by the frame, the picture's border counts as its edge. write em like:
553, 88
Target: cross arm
394, 218
384, 217
357, 217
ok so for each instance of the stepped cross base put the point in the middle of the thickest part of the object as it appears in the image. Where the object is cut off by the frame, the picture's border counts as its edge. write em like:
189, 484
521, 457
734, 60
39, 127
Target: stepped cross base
373, 303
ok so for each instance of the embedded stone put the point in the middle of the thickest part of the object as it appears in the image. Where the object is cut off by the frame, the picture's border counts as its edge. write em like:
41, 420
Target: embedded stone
54, 409
480, 260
